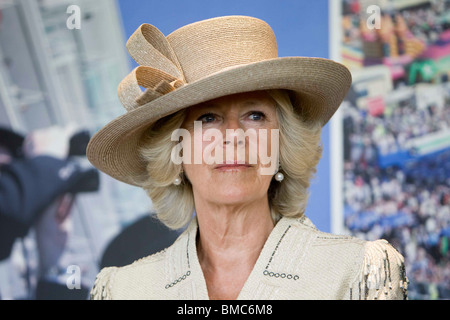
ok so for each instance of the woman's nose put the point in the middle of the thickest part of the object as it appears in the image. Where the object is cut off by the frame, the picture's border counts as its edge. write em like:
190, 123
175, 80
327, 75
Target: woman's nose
232, 122
233, 131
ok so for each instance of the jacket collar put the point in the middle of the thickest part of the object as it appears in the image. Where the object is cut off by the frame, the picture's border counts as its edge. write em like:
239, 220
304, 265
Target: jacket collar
185, 276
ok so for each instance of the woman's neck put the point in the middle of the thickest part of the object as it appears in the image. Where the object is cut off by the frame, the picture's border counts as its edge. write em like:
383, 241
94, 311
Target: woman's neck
229, 242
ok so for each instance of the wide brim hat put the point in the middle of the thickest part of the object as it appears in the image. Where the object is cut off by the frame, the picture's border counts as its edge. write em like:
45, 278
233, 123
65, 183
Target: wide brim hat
200, 62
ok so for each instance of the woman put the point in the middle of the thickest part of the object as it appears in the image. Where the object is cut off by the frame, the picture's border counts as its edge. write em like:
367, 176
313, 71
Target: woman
246, 126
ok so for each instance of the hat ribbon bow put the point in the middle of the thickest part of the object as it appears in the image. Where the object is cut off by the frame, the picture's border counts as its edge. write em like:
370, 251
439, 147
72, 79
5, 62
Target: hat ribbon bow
159, 71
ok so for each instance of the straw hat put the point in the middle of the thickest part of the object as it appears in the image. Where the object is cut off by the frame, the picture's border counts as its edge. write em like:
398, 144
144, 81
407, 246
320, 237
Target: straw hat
200, 62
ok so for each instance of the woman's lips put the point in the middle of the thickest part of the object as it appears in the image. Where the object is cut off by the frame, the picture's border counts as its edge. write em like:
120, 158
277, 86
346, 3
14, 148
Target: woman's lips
232, 166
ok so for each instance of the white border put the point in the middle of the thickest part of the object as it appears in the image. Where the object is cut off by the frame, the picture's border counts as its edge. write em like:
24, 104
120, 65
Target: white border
336, 133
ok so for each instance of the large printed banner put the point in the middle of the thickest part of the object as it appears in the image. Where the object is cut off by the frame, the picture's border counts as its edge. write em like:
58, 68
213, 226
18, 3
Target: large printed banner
396, 133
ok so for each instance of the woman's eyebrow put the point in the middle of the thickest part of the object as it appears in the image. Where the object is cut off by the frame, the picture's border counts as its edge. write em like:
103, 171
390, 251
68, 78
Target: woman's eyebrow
246, 103
254, 103
250, 103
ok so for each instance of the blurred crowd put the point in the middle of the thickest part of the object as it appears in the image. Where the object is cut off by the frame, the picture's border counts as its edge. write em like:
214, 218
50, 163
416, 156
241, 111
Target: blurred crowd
408, 205
391, 190
423, 22
400, 123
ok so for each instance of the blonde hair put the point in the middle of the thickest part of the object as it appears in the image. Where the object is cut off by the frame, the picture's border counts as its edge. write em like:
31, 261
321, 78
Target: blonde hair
300, 152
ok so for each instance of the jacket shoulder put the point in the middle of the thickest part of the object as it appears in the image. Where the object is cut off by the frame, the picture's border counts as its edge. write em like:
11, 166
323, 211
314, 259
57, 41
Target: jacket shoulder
382, 274
113, 282
327, 239
374, 269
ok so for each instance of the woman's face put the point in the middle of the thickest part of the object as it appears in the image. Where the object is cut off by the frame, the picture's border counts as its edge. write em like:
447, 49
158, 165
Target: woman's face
244, 150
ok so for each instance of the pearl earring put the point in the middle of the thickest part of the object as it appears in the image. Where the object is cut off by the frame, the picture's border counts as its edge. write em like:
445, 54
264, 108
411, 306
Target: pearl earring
279, 176
177, 181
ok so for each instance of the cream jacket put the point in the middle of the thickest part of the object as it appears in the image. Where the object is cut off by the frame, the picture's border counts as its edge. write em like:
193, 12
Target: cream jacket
297, 262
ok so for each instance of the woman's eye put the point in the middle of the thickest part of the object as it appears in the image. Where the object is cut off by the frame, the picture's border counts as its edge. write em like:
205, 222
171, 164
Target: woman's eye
209, 117
256, 116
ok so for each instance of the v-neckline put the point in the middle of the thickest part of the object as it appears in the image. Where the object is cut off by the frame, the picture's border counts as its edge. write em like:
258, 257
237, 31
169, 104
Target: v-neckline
262, 263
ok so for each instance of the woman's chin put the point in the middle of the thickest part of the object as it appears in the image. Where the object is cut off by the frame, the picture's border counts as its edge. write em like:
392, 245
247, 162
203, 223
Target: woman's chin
235, 193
